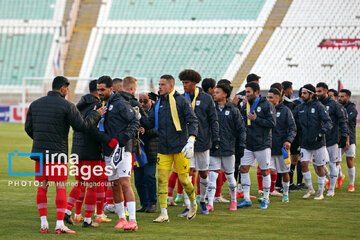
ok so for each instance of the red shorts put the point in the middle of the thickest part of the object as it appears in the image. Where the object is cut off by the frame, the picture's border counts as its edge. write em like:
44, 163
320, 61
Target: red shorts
91, 171
53, 172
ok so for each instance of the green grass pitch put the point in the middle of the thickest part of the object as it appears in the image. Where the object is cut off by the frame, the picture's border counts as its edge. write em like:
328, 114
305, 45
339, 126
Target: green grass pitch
335, 218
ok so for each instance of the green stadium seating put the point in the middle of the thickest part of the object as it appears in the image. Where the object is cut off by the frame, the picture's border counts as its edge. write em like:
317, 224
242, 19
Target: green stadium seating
27, 9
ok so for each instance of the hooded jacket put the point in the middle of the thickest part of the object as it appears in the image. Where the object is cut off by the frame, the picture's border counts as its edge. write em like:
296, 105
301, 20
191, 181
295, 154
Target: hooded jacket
258, 134
285, 129
314, 119
352, 115
48, 122
231, 125
338, 119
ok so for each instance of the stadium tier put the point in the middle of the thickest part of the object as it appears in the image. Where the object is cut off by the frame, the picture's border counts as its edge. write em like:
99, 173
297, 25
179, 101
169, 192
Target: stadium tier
28, 9
185, 9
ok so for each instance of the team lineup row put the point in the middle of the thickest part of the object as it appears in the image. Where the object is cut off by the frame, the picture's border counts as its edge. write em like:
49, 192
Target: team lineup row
200, 130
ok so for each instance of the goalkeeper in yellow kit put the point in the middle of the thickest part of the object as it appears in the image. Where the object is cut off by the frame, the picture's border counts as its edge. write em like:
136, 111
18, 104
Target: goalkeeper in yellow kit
177, 124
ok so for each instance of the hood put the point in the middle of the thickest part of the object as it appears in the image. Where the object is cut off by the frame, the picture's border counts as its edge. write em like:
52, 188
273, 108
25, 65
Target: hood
86, 101
127, 96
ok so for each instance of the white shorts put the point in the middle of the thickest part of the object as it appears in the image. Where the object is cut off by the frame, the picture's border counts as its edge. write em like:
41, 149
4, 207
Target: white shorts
320, 156
334, 155
227, 164
350, 152
123, 169
278, 164
263, 157
200, 161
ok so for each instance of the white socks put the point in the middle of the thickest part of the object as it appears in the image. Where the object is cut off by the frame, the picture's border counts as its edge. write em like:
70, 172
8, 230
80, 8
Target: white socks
351, 172
203, 188
232, 186
87, 220
68, 212
239, 188
59, 223
307, 178
44, 221
212, 187
163, 211
131, 206
120, 210
334, 171
321, 183
245, 182
286, 188
266, 185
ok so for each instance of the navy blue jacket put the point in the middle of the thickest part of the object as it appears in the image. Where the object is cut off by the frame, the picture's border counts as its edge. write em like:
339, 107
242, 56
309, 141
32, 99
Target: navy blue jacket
231, 126
151, 140
208, 121
338, 119
352, 115
258, 134
120, 123
170, 140
313, 118
285, 129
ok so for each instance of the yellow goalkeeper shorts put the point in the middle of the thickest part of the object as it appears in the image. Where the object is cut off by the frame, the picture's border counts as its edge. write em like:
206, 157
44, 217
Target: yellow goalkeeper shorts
181, 164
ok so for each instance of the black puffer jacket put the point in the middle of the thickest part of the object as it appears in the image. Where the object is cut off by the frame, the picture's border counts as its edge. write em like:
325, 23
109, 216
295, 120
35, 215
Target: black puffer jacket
352, 115
313, 118
170, 140
134, 103
120, 123
285, 129
208, 122
151, 141
258, 134
49, 119
338, 119
88, 145
231, 125
295, 146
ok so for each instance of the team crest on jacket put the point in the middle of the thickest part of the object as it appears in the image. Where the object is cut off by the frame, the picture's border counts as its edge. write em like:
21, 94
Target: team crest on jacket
327, 108
227, 112
312, 110
111, 107
197, 103
258, 109
278, 114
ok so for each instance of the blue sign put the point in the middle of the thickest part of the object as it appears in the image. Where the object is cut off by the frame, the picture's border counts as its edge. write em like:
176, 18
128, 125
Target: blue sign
40, 155
4, 113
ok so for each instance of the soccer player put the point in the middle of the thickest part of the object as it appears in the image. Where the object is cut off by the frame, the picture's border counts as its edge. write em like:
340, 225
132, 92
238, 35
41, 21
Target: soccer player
208, 85
260, 117
231, 126
204, 108
344, 99
337, 133
120, 122
88, 148
47, 123
177, 124
334, 94
315, 123
282, 136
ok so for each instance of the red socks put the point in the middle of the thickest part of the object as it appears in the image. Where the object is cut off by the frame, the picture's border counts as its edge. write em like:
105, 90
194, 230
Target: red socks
100, 198
73, 196
60, 203
109, 196
259, 179
90, 201
41, 200
219, 183
179, 187
172, 182
80, 201
198, 184
273, 175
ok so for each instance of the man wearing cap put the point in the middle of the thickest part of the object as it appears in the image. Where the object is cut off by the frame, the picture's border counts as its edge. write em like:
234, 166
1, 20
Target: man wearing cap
208, 134
315, 122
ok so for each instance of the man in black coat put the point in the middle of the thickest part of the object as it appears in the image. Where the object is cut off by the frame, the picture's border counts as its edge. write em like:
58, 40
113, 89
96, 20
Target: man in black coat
48, 122
344, 99
88, 148
315, 123
145, 180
